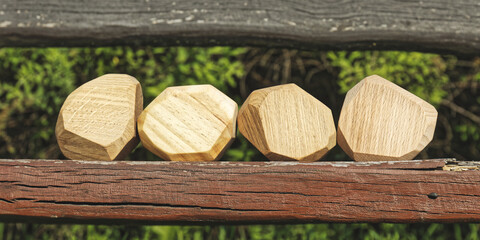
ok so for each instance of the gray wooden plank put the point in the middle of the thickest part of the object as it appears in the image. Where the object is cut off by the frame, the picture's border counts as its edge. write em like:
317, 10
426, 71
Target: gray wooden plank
427, 25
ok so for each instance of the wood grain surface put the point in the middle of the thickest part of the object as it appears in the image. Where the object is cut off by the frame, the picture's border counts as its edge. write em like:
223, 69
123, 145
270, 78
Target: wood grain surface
97, 121
286, 123
59, 191
428, 25
381, 121
189, 123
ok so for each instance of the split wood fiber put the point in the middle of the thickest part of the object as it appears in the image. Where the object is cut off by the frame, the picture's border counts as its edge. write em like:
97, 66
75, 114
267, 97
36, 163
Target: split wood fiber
55, 191
286, 123
189, 123
98, 120
380, 121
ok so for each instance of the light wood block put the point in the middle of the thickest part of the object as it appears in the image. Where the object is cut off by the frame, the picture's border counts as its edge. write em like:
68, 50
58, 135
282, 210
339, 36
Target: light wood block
98, 119
189, 123
286, 123
381, 121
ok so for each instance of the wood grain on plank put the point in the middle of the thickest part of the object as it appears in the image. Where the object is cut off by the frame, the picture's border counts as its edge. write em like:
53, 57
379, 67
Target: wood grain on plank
98, 120
381, 121
234, 192
189, 123
287, 123
428, 25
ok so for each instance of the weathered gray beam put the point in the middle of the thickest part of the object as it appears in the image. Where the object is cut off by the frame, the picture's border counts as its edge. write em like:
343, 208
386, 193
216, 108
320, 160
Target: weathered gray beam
428, 25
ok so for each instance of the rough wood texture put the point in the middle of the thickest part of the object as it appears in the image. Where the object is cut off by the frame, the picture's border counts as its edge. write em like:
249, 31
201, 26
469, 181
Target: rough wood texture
233, 192
286, 123
381, 121
189, 123
429, 25
98, 120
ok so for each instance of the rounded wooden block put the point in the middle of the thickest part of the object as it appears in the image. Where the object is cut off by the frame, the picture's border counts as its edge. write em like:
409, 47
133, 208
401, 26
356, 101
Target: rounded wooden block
286, 123
98, 120
189, 123
381, 121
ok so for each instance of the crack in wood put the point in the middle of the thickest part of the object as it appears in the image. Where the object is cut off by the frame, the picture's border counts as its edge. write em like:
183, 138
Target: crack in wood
129, 204
16, 199
208, 194
5, 200
91, 182
39, 186
8, 181
279, 193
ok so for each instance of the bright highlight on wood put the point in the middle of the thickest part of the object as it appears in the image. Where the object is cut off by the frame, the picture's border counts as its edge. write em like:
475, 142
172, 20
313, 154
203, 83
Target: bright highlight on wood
380, 121
286, 123
98, 120
189, 123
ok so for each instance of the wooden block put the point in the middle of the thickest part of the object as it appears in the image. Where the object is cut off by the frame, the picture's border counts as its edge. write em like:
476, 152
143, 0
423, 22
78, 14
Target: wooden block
380, 121
286, 123
189, 123
98, 119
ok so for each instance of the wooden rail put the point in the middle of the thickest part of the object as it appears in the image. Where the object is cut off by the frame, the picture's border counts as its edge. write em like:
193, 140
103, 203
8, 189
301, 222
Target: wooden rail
428, 25
238, 192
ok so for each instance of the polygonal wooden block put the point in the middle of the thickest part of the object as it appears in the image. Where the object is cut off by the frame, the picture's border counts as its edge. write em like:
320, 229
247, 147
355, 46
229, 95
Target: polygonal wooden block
381, 121
189, 123
98, 120
286, 123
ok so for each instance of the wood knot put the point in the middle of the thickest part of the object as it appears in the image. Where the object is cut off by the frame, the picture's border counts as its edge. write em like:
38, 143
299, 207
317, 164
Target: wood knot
432, 195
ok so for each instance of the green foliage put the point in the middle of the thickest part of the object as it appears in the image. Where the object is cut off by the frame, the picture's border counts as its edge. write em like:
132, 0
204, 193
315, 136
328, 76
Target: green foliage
159, 68
244, 232
34, 84
422, 74
242, 150
466, 120
468, 132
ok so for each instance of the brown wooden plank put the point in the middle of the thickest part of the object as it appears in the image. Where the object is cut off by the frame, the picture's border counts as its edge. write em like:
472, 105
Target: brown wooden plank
235, 192
428, 25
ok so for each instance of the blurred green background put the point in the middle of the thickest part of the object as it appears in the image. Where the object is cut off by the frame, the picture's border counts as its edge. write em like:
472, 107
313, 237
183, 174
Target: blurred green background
34, 82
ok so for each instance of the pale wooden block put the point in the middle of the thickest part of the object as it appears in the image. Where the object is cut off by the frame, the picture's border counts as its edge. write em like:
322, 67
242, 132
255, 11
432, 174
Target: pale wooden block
381, 121
98, 120
189, 123
286, 123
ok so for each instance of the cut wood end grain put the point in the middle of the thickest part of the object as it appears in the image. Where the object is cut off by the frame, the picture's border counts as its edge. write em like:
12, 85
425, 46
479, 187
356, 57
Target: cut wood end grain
286, 123
98, 120
380, 121
189, 123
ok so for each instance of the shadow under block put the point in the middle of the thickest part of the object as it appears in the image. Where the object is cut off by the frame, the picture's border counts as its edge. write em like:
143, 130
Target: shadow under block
189, 123
286, 123
98, 120
381, 121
